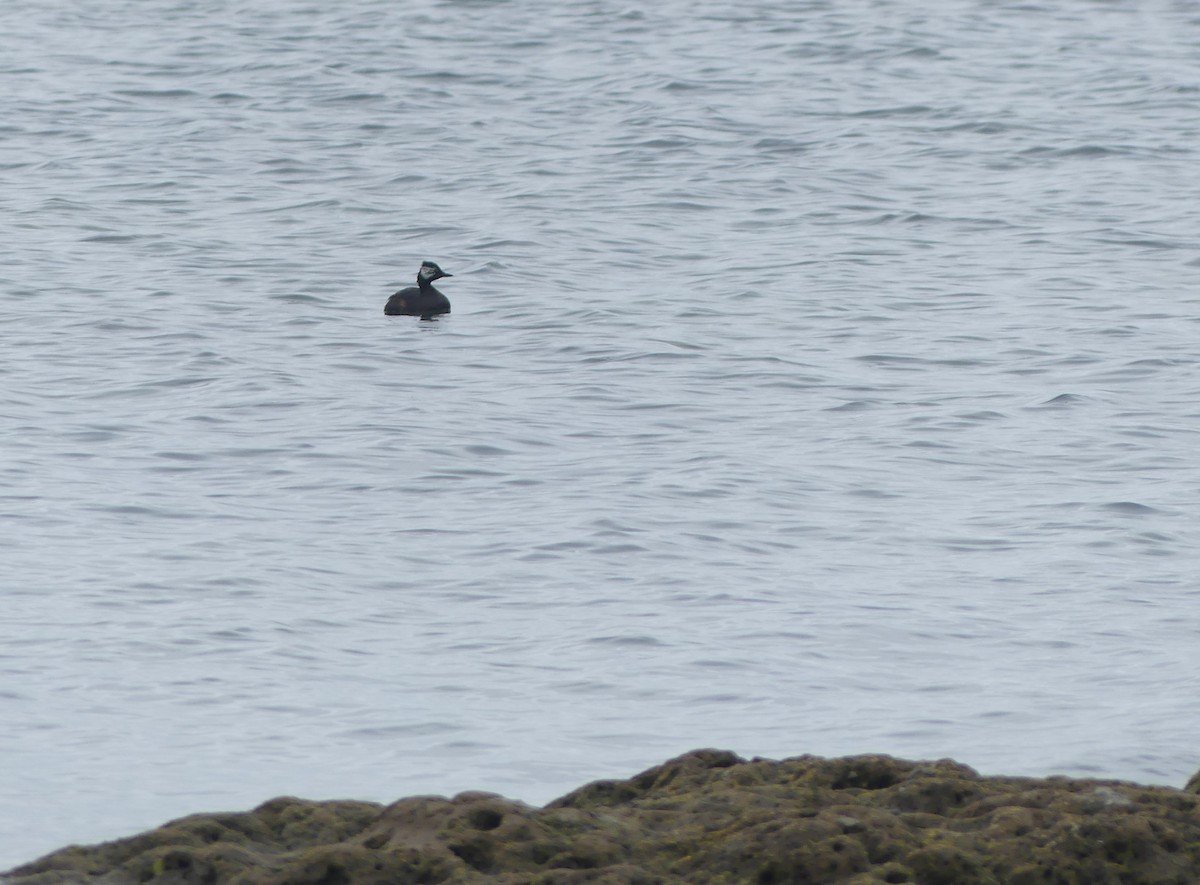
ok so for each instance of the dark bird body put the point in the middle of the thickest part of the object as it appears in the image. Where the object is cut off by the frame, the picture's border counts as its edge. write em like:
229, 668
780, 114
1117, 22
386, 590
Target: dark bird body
421, 300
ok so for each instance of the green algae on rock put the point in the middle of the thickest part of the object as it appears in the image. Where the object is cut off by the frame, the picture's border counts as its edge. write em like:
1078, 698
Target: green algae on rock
704, 817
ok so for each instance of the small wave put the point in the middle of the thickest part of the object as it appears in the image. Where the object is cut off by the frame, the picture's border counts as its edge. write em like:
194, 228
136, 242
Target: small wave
1129, 508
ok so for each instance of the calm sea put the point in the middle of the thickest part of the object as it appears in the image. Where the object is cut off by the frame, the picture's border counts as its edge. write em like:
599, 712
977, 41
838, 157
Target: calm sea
823, 377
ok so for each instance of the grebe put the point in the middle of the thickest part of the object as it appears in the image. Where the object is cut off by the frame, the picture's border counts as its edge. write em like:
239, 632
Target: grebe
421, 300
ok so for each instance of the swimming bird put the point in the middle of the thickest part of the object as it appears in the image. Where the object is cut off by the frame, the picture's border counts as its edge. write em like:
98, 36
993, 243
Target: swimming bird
421, 300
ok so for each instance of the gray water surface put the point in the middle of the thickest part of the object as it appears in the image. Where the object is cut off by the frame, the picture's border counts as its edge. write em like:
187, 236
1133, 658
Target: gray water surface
822, 378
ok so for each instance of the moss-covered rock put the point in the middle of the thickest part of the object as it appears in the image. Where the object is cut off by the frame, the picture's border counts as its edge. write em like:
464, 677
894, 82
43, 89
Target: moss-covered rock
705, 817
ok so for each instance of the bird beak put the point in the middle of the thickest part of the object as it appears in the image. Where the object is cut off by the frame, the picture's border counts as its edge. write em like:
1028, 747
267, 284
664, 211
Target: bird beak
447, 274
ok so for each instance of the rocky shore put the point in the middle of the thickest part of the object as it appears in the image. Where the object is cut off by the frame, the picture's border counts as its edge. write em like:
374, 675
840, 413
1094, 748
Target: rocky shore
705, 817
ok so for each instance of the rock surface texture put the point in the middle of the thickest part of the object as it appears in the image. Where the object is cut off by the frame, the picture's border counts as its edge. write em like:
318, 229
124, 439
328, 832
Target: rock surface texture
705, 817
